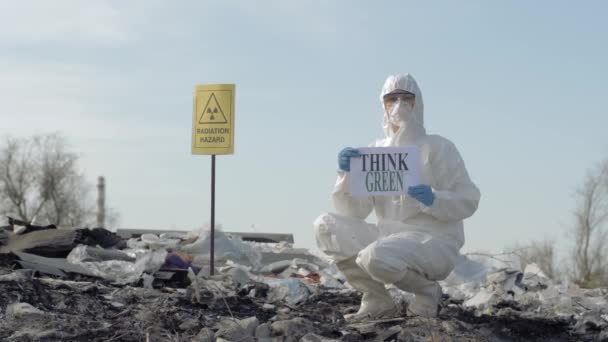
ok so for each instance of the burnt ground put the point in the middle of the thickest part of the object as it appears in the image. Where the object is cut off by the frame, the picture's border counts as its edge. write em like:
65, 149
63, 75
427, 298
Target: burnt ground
97, 311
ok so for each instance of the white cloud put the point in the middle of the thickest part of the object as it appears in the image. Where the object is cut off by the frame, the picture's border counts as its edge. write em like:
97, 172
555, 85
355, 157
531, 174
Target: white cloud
36, 21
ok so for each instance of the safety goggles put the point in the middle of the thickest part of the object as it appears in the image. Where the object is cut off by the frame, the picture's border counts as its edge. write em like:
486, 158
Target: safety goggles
399, 94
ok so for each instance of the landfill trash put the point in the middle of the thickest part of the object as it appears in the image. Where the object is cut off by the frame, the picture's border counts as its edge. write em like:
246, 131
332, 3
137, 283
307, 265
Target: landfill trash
482, 299
589, 322
148, 281
118, 271
296, 268
328, 279
294, 328
289, 266
226, 248
173, 236
58, 242
240, 275
263, 331
179, 260
4, 236
153, 241
88, 253
332, 277
22, 227
310, 337
153, 291
208, 290
389, 333
102, 237
493, 288
17, 275
291, 291
18, 310
205, 335
237, 330
48, 243
99, 311
283, 251
136, 244
53, 266
189, 324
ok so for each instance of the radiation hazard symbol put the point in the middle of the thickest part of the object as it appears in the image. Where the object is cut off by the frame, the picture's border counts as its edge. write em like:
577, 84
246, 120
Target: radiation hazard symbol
213, 119
212, 112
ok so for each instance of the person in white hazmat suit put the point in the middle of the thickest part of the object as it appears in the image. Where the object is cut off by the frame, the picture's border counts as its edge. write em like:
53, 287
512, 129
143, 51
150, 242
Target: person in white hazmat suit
418, 237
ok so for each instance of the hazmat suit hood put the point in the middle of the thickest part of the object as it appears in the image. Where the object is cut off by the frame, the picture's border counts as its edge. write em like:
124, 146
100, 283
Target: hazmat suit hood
412, 129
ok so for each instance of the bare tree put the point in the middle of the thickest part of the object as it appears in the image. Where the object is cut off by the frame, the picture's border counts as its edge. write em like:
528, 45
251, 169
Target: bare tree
590, 253
40, 179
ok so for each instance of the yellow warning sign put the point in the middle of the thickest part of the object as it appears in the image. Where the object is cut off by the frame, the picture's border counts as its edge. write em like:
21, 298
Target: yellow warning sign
213, 119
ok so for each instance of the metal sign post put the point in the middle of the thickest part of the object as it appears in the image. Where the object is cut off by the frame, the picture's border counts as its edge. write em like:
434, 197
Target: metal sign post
212, 247
213, 134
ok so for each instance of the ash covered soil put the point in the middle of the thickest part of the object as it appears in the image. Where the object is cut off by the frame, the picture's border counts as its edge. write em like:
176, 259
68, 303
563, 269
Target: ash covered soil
93, 310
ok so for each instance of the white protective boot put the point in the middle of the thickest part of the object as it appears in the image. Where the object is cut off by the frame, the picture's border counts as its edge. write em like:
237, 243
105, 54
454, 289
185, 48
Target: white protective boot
428, 294
376, 301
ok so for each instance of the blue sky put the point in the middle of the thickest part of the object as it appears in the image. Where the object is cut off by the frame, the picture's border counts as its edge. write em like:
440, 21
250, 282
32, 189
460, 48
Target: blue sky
518, 87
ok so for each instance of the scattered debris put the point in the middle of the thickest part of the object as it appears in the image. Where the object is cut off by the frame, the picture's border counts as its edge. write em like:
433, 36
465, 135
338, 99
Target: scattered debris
293, 328
53, 266
21, 227
118, 270
158, 288
19, 310
57, 242
4, 236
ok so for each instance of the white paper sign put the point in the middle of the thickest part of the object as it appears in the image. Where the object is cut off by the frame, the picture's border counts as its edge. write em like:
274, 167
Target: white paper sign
384, 171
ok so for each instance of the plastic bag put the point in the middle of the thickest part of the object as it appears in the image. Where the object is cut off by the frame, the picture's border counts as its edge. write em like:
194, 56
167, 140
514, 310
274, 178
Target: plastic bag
291, 290
226, 248
119, 271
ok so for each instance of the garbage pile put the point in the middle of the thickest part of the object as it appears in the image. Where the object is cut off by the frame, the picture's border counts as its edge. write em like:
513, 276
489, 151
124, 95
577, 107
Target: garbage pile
93, 285
491, 287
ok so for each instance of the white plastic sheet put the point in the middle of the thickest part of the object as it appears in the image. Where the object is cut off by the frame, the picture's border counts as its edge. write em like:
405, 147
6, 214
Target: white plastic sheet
118, 271
290, 290
226, 248
481, 282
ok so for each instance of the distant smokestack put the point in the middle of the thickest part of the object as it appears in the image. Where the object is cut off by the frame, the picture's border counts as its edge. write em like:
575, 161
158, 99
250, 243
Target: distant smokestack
101, 202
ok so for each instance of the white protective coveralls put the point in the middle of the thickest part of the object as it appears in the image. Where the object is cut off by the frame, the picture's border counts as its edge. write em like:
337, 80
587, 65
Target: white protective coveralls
413, 245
